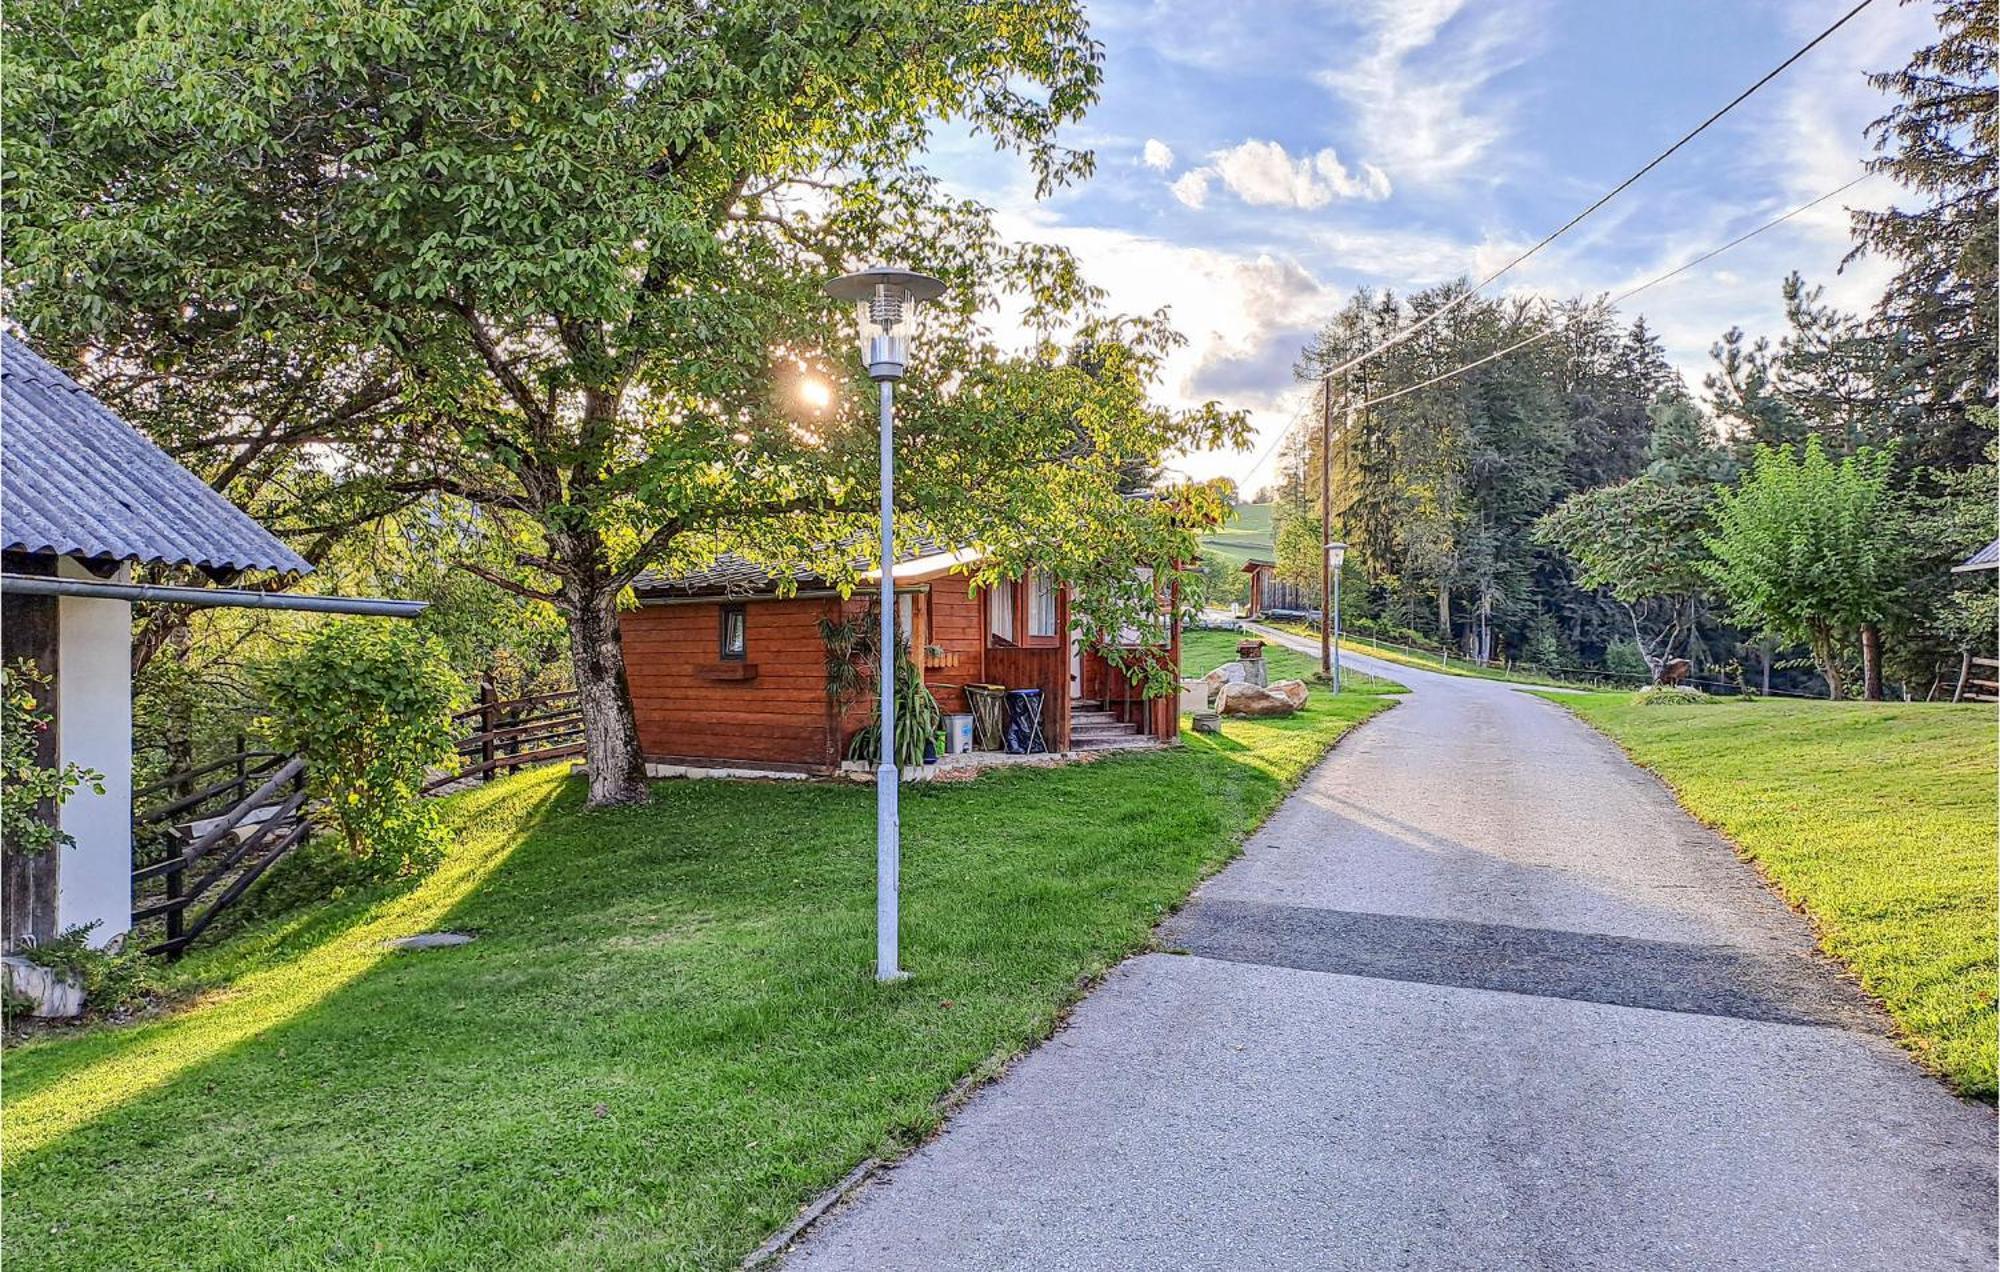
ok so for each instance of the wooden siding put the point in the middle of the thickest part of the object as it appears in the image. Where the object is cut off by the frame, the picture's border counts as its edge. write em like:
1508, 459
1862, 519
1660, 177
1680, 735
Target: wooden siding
685, 711
957, 621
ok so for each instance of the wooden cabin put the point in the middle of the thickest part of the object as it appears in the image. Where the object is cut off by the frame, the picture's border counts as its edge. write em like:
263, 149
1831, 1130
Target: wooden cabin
726, 673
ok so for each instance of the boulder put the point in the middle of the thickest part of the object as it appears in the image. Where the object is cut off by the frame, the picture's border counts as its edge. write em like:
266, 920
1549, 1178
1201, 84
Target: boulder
51, 995
1227, 674
1241, 699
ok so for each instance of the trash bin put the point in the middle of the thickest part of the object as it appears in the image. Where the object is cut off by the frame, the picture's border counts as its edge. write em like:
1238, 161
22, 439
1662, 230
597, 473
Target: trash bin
957, 733
1024, 722
989, 715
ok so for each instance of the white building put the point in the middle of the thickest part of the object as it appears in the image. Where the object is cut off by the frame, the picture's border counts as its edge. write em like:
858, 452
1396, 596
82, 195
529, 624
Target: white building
84, 498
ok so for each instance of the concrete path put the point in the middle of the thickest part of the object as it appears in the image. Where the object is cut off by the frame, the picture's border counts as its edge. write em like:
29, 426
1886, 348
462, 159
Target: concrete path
1480, 995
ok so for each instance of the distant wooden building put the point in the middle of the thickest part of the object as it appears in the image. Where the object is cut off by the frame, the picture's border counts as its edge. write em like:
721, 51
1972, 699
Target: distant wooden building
724, 672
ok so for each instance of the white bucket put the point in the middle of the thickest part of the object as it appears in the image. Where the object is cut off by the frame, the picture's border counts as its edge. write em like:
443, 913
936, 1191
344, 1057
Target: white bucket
957, 733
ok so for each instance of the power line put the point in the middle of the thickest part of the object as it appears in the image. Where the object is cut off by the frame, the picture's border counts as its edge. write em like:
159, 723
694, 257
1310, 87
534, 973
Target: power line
1298, 417
1609, 195
1614, 301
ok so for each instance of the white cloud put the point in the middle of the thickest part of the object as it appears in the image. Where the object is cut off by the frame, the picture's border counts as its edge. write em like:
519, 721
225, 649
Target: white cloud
1157, 155
1263, 174
1425, 104
1191, 187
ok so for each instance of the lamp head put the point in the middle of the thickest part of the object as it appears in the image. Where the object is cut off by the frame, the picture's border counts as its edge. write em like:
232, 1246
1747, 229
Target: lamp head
1336, 552
885, 305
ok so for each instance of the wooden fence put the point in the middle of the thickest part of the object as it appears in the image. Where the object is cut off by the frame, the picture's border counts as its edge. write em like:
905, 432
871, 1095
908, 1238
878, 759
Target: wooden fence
1978, 680
217, 827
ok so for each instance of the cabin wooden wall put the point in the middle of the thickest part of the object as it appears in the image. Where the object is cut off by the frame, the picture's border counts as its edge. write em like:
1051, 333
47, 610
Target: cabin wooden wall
770, 709
957, 618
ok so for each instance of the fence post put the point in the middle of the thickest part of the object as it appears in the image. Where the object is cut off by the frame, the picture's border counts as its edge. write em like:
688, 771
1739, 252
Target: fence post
488, 714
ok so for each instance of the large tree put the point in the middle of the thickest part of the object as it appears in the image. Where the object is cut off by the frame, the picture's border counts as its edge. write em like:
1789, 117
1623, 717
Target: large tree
1941, 141
1813, 550
582, 250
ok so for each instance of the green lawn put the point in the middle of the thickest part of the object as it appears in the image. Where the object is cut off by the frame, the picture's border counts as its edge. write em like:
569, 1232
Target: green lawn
1247, 534
1878, 820
665, 1038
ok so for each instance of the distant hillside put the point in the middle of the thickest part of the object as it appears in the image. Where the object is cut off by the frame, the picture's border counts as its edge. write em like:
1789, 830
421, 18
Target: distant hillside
1248, 534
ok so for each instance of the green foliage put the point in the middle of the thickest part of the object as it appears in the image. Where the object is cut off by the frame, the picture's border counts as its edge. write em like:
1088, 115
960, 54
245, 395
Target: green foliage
1940, 141
1809, 549
917, 720
1623, 657
1671, 696
115, 981
1638, 541
585, 313
28, 787
368, 704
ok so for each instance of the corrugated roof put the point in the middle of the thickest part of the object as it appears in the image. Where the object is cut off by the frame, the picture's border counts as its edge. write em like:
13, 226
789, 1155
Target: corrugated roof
75, 480
732, 575
1987, 558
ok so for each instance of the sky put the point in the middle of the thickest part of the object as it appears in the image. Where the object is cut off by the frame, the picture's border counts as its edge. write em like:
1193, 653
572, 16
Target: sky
1258, 163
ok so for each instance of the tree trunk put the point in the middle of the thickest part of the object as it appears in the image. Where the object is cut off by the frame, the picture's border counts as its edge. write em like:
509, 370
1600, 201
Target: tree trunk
1825, 654
1871, 662
1444, 613
610, 730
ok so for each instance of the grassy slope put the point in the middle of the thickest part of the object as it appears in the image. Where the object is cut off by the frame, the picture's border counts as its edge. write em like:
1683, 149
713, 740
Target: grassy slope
664, 1040
1248, 534
1878, 820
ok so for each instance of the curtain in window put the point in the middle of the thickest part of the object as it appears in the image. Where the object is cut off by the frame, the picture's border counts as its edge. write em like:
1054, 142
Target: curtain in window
1041, 604
1000, 609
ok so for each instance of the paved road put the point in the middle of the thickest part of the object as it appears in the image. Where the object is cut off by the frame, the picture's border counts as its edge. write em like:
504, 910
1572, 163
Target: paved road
1478, 996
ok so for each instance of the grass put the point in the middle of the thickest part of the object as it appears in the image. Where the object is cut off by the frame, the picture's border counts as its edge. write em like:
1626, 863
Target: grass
1878, 820
1247, 534
665, 1038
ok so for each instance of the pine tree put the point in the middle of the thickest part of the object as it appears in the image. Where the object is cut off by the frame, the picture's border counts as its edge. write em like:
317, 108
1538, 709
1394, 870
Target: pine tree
1939, 141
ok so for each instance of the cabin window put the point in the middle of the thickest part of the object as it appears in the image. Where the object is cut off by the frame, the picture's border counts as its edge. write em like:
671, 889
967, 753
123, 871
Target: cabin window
735, 634
1000, 609
1041, 604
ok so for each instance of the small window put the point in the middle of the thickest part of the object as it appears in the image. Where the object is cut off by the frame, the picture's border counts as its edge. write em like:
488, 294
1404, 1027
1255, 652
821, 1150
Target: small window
735, 633
1041, 604
1000, 609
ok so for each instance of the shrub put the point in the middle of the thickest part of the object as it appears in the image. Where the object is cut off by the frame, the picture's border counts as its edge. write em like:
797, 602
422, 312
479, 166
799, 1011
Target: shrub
1671, 696
368, 706
114, 980
25, 782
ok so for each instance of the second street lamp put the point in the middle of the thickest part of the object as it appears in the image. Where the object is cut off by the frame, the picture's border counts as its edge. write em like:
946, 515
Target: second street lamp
1336, 552
885, 303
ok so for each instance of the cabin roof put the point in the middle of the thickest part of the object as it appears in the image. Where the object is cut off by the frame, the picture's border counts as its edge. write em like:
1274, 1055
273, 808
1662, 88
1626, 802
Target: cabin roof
79, 482
1987, 558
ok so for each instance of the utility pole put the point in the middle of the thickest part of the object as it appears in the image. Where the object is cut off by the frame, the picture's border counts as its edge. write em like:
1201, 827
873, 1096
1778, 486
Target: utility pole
1325, 523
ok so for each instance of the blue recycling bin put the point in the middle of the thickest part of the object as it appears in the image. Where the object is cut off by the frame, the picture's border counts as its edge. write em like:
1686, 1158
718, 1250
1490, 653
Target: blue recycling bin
1024, 722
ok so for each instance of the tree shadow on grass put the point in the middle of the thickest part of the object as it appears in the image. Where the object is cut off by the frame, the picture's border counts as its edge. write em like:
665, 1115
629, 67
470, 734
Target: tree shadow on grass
665, 1037
60, 1084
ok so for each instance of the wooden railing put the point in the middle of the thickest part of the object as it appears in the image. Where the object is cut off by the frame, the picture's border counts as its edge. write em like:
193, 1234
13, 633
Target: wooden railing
212, 830
515, 734
1981, 687
227, 853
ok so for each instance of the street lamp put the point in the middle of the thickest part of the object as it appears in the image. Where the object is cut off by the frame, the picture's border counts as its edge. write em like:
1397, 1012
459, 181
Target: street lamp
1336, 552
885, 304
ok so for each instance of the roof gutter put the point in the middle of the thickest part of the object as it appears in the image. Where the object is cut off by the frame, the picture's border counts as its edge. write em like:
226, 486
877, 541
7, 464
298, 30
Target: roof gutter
210, 597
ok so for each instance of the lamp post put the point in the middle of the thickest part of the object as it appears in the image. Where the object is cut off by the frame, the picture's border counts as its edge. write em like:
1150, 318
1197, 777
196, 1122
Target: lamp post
1336, 552
885, 304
